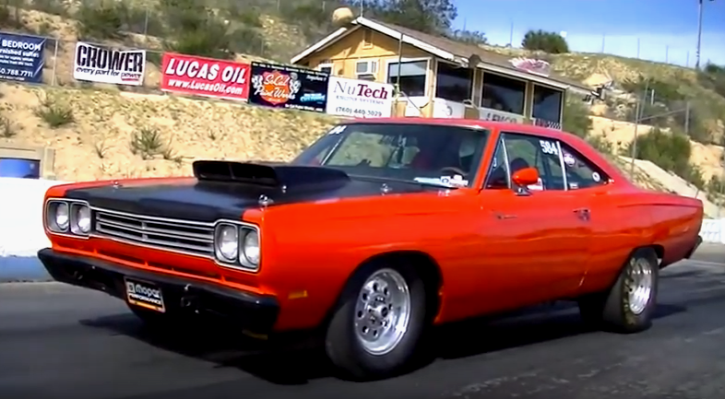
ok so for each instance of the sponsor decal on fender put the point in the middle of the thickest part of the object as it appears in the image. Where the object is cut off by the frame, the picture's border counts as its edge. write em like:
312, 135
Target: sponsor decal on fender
208, 77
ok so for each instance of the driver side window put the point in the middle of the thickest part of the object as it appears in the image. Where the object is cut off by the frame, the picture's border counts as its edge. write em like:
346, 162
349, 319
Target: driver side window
518, 151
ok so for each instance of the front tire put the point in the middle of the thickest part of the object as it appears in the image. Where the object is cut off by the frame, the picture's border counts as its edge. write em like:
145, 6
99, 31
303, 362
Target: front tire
629, 305
379, 322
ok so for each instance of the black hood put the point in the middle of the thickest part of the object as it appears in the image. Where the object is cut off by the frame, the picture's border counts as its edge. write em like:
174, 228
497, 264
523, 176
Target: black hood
224, 190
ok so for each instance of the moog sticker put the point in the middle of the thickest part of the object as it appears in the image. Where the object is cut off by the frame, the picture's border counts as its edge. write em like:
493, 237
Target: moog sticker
596, 177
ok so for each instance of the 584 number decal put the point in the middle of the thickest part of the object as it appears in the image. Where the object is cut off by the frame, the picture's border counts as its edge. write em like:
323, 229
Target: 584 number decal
549, 147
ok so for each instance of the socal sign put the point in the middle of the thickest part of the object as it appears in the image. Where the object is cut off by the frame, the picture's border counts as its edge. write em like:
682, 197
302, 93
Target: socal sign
276, 87
359, 98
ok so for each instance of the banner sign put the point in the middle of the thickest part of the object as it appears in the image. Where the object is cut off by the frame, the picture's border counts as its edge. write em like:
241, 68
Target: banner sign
21, 57
359, 98
548, 124
282, 86
104, 64
208, 77
488, 114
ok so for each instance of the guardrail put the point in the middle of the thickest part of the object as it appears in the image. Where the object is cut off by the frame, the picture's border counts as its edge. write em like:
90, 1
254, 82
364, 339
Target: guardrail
22, 234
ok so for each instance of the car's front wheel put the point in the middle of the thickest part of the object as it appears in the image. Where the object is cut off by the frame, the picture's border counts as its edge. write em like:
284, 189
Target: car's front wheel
629, 305
377, 326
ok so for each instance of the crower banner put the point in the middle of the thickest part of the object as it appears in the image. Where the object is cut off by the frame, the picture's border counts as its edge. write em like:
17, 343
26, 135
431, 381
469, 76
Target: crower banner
208, 77
359, 98
288, 87
21, 57
104, 64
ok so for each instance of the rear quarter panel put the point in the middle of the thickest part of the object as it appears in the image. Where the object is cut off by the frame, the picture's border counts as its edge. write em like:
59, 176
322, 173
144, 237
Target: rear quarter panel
623, 220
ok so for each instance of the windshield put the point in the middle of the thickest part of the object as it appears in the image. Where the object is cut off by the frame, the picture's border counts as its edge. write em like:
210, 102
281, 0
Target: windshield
428, 154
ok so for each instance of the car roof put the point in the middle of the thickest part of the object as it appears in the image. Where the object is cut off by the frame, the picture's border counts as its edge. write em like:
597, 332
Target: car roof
471, 123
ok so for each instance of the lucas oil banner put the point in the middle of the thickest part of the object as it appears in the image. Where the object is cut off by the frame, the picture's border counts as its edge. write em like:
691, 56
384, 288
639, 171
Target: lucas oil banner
288, 87
107, 65
21, 57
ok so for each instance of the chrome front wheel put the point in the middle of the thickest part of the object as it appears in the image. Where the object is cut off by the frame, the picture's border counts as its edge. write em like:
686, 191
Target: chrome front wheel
382, 312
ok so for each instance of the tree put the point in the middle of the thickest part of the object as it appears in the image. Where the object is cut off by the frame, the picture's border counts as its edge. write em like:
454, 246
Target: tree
549, 42
468, 36
429, 16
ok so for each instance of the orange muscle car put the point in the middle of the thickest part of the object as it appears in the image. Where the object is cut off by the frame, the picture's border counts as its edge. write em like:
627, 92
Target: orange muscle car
376, 232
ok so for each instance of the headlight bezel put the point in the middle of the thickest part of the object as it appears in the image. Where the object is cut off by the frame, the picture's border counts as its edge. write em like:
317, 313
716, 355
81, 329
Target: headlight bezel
241, 261
50, 217
75, 208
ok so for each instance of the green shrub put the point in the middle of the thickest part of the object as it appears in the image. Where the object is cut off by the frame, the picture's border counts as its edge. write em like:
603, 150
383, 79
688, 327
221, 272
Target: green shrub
103, 21
576, 118
669, 151
54, 7
246, 40
549, 42
210, 40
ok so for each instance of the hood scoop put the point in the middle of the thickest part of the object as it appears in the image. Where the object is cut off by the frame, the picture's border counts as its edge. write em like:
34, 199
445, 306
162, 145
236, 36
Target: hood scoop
279, 176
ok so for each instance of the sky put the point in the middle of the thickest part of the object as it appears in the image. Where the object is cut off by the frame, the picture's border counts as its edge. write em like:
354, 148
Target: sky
657, 30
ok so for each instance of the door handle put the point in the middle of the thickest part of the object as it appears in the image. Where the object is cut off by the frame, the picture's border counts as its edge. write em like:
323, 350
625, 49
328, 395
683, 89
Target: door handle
502, 216
583, 213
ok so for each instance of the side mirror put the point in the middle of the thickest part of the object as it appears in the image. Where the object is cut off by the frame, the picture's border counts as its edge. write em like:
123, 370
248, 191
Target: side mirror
525, 177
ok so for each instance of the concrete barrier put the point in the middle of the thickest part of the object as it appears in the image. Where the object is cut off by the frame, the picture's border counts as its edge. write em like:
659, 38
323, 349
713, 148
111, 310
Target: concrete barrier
21, 228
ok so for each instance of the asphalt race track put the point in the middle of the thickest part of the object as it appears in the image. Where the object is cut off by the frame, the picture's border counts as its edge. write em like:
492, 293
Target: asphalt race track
61, 342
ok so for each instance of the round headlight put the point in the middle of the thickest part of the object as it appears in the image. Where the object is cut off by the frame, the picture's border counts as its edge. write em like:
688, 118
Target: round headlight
227, 242
250, 247
82, 219
62, 216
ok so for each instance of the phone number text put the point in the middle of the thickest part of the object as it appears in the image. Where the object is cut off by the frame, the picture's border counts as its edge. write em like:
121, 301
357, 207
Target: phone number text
15, 73
358, 112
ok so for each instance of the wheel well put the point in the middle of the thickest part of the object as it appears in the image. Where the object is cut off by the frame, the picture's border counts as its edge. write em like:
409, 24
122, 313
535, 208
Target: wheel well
659, 251
427, 267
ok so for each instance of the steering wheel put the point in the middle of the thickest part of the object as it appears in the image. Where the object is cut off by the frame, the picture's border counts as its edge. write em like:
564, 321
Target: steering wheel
453, 169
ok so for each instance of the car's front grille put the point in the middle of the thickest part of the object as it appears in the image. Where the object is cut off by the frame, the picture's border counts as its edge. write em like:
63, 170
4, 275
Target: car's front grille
172, 235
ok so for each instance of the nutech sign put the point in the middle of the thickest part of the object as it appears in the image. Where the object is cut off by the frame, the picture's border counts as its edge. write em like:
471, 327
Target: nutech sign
359, 98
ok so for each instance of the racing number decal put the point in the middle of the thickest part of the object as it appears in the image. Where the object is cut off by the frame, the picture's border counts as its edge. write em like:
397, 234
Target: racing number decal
548, 147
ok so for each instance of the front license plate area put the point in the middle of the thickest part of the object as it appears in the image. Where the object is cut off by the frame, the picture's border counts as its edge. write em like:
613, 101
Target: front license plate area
144, 294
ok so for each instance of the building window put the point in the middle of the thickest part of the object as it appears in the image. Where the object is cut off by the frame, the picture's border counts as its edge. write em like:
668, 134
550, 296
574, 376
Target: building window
547, 104
503, 94
453, 83
367, 38
327, 68
412, 77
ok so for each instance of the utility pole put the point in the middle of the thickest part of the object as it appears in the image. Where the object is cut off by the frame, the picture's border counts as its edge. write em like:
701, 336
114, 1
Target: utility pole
699, 33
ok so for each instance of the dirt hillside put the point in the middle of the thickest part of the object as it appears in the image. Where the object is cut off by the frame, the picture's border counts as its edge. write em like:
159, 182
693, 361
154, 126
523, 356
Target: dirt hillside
121, 131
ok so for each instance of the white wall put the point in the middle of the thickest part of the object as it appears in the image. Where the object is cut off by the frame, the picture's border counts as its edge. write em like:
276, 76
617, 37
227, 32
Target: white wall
21, 217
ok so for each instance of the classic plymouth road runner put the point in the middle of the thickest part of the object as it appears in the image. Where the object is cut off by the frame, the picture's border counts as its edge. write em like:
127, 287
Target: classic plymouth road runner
376, 232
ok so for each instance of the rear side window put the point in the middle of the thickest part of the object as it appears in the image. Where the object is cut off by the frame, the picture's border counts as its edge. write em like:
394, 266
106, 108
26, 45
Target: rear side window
581, 172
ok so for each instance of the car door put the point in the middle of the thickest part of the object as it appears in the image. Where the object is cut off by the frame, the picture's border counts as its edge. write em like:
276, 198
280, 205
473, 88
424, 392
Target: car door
539, 236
